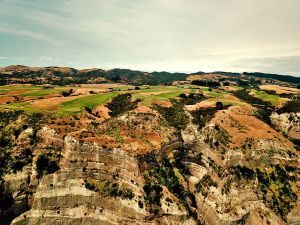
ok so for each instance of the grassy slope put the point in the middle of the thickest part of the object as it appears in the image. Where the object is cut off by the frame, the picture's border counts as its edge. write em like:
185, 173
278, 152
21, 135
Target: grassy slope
77, 105
148, 96
274, 99
44, 91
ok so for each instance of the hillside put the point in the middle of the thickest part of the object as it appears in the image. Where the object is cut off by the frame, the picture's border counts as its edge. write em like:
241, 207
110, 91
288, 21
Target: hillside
113, 153
65, 76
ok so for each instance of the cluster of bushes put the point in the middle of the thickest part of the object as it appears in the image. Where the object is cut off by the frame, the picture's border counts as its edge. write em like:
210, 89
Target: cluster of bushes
160, 173
121, 104
244, 95
244, 172
264, 108
165, 175
153, 196
202, 116
206, 83
291, 106
47, 164
6, 199
67, 93
174, 115
191, 98
263, 115
9, 133
277, 191
203, 185
108, 188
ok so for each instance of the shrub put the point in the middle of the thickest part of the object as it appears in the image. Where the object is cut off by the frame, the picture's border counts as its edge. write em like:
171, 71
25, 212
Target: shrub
174, 115
202, 116
278, 193
153, 197
47, 164
203, 185
67, 93
108, 188
121, 104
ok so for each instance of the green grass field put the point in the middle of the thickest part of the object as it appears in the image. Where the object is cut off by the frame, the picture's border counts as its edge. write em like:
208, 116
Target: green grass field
274, 99
44, 91
77, 105
148, 95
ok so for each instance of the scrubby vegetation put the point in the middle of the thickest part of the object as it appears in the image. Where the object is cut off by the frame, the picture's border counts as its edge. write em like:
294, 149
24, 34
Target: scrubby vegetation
244, 95
108, 188
174, 115
263, 115
277, 191
121, 104
191, 98
47, 164
202, 116
206, 83
170, 173
6, 199
264, 108
291, 106
153, 197
204, 184
10, 130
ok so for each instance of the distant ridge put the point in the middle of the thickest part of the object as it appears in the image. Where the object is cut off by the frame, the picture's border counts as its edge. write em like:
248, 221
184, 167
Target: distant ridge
67, 75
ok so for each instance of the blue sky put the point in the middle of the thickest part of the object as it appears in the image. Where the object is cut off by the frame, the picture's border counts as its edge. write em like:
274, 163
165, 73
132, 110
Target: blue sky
172, 35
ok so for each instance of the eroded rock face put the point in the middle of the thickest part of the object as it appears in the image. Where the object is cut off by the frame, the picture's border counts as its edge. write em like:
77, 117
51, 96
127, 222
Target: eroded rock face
219, 178
229, 199
62, 198
289, 123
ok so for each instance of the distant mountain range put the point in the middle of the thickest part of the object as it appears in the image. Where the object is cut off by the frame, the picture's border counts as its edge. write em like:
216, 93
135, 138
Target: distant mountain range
65, 75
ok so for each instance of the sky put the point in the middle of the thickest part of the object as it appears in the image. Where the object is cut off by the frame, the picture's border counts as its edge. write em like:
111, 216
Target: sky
153, 35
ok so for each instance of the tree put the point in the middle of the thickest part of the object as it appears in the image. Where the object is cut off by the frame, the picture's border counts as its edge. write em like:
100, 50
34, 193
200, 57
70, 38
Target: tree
219, 105
121, 104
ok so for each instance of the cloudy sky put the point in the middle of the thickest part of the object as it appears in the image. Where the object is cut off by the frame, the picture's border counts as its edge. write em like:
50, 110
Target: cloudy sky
172, 35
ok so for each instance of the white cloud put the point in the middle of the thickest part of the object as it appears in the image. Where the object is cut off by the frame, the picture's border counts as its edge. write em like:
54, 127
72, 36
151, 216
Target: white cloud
184, 35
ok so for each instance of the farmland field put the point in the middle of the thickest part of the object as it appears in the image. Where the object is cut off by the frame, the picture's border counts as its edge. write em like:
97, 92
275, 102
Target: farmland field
38, 98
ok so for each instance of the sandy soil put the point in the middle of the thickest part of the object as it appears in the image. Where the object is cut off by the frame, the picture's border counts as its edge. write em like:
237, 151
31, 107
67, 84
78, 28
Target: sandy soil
144, 109
102, 112
163, 103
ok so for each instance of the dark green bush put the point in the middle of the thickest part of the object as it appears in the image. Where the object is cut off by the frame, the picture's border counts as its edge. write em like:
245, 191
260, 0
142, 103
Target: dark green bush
174, 115
47, 164
278, 194
121, 104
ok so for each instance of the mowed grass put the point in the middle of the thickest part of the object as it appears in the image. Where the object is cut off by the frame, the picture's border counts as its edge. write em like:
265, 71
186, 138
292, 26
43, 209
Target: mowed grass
147, 100
23, 106
44, 91
274, 99
148, 95
77, 105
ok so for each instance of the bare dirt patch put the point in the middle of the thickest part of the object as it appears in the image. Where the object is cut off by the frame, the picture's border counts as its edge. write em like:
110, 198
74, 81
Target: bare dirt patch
101, 112
163, 103
241, 124
52, 103
144, 109
6, 99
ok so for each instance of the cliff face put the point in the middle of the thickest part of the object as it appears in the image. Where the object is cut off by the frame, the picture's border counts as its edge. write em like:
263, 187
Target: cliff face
225, 172
62, 197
